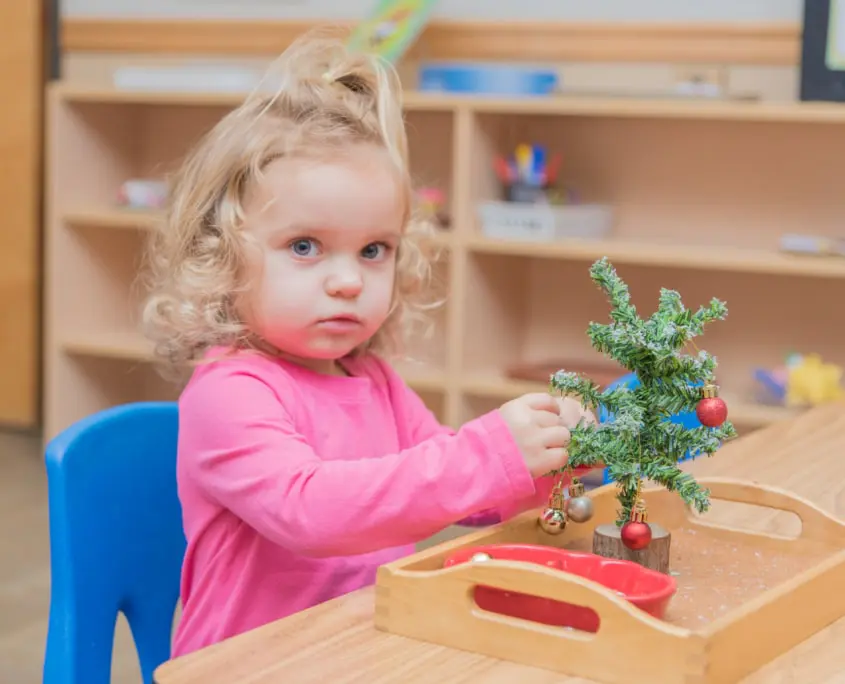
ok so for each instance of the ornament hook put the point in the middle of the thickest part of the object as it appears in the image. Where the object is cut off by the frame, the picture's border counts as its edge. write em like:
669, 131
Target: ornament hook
710, 391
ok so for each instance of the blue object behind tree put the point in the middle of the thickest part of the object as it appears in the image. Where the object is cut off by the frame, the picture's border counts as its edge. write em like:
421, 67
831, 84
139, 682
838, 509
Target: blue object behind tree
688, 420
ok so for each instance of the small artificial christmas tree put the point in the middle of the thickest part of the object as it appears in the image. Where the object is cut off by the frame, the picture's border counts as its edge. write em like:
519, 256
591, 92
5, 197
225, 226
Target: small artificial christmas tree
640, 443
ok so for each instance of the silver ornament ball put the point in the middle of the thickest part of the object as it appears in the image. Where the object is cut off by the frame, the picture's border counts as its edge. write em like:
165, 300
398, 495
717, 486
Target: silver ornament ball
580, 509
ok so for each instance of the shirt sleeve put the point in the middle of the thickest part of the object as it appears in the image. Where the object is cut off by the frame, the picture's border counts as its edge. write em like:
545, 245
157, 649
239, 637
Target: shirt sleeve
422, 425
240, 444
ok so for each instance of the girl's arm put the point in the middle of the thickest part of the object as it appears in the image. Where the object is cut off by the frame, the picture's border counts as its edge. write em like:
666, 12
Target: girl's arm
423, 425
239, 443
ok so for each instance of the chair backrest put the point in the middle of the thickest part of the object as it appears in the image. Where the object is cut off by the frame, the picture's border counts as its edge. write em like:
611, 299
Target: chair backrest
116, 540
688, 420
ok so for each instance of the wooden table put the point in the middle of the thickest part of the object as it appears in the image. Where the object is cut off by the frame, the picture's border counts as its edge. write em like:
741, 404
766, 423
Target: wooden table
336, 641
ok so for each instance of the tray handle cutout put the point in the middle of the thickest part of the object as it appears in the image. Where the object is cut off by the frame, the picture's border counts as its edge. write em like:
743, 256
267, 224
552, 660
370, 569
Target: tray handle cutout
616, 615
438, 606
816, 524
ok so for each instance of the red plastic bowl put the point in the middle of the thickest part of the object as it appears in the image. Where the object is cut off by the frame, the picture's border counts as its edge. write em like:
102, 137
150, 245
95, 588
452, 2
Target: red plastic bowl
647, 589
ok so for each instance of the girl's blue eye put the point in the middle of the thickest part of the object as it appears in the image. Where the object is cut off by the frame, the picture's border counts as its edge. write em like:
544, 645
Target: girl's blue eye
303, 247
374, 250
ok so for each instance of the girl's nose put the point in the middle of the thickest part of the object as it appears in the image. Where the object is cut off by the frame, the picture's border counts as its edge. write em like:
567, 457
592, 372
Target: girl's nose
345, 283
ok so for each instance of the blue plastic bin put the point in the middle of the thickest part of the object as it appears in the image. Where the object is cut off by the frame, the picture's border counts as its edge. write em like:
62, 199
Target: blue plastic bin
486, 79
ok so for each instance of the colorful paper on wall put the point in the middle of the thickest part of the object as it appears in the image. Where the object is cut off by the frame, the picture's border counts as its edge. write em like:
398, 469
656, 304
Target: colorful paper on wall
392, 27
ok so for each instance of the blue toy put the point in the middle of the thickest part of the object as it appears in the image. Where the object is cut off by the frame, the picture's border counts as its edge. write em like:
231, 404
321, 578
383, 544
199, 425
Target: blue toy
688, 420
116, 540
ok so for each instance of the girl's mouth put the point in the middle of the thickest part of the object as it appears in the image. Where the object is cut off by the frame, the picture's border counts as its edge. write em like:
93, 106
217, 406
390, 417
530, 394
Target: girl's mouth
339, 324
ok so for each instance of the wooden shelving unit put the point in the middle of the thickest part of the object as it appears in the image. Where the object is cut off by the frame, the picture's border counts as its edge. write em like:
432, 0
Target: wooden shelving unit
701, 190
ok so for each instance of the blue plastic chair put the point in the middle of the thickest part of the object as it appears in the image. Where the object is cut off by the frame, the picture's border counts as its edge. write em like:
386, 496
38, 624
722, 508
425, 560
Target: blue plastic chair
116, 540
688, 420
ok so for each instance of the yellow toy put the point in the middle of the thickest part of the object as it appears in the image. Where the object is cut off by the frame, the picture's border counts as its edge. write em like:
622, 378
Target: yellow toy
811, 382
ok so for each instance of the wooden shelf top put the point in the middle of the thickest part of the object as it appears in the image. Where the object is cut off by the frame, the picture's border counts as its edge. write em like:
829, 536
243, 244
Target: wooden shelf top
118, 218
131, 346
664, 108
116, 345
560, 105
134, 219
72, 92
715, 258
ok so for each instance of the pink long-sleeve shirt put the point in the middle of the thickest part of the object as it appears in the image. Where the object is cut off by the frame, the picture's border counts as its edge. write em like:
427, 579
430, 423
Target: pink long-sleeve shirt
295, 486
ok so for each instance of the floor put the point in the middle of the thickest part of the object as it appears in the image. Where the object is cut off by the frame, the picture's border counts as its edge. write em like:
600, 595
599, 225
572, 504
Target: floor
25, 569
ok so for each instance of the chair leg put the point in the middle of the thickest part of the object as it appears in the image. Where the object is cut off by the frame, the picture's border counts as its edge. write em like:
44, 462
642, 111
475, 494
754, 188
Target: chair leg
151, 623
78, 651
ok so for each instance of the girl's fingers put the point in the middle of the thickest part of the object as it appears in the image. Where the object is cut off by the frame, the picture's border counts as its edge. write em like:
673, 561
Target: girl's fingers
557, 458
556, 437
570, 410
542, 402
589, 418
546, 419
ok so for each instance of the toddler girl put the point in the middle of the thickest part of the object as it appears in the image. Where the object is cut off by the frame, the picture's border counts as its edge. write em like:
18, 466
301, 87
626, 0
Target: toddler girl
287, 269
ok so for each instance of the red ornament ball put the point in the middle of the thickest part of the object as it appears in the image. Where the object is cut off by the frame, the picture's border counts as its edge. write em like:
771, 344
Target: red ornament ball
636, 535
712, 411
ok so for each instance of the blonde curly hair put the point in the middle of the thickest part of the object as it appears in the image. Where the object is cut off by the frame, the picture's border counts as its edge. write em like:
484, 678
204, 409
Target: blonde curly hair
322, 97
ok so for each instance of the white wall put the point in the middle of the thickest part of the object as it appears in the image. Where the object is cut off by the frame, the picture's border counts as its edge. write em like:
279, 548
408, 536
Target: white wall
559, 10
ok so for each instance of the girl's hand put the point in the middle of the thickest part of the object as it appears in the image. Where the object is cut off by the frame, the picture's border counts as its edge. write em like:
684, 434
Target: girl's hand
535, 423
572, 413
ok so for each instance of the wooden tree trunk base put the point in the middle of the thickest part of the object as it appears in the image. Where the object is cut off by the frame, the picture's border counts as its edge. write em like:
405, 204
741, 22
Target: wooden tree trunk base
607, 542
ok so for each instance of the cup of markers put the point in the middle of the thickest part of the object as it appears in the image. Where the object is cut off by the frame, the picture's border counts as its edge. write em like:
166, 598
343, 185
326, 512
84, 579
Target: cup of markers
527, 175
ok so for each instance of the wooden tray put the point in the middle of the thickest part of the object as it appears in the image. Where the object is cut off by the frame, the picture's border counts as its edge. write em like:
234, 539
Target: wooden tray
744, 597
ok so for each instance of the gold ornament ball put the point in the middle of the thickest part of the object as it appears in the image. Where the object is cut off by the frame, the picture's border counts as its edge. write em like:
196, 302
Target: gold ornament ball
553, 521
580, 509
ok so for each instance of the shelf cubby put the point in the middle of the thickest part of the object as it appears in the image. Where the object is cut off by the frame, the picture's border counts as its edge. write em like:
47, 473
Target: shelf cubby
685, 183
525, 310
430, 144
